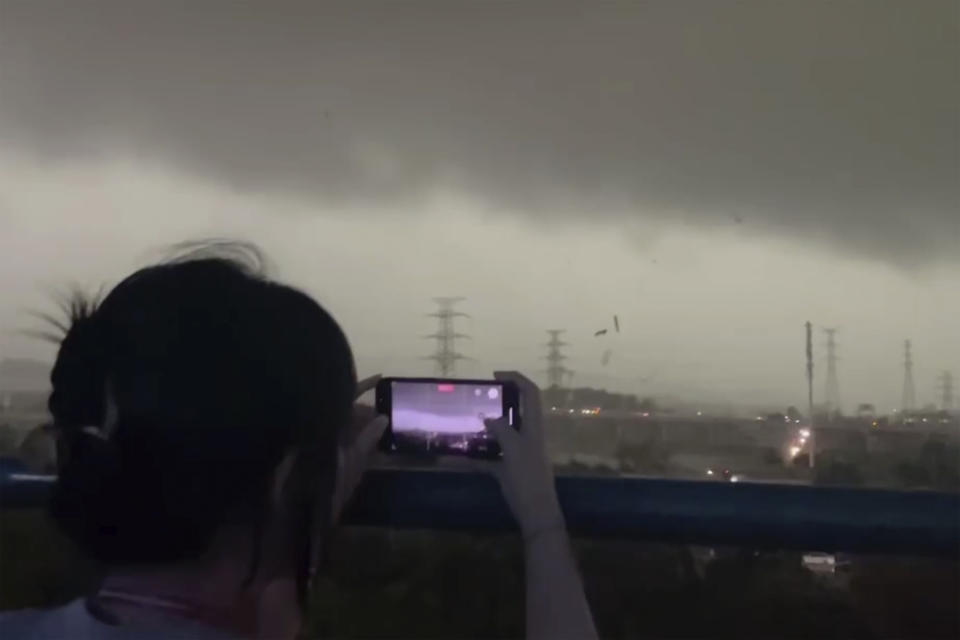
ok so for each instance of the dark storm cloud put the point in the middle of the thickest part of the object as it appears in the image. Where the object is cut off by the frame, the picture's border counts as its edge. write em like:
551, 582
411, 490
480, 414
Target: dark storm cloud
823, 120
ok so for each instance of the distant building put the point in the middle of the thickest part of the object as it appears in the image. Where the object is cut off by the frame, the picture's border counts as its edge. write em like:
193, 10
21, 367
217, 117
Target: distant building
866, 410
589, 398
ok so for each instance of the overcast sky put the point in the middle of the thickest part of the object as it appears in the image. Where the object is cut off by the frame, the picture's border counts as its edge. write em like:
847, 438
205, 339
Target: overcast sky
716, 173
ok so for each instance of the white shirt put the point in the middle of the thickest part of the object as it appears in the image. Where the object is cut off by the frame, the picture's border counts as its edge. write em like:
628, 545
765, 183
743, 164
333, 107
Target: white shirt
75, 622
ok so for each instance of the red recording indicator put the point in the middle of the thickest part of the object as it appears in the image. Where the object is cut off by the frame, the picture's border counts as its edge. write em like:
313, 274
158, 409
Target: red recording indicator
445, 388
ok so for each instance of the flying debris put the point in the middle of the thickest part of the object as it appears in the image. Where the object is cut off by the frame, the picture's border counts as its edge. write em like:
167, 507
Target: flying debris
616, 323
602, 332
605, 360
738, 219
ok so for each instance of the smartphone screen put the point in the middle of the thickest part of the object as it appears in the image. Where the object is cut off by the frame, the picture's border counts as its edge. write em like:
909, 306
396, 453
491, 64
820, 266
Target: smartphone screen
444, 416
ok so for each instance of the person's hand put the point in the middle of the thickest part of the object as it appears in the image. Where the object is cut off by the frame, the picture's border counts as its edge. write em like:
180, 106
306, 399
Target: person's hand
356, 446
525, 473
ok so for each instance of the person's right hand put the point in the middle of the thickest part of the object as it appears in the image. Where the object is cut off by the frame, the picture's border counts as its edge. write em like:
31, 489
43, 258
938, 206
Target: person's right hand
525, 473
555, 603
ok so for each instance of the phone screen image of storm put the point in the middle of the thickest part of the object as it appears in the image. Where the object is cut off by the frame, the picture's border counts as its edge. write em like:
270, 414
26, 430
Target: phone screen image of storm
444, 418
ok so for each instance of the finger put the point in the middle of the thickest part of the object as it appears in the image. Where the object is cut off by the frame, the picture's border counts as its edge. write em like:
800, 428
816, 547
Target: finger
367, 384
369, 436
361, 416
529, 393
363, 413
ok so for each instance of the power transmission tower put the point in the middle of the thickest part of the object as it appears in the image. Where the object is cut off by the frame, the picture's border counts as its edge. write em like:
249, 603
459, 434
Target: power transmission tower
556, 371
909, 392
445, 356
832, 396
946, 390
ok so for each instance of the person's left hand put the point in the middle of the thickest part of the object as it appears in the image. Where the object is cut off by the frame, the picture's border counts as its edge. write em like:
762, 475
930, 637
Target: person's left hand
357, 443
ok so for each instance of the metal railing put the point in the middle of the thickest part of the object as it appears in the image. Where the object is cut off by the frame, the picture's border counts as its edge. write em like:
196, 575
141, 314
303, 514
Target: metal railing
760, 516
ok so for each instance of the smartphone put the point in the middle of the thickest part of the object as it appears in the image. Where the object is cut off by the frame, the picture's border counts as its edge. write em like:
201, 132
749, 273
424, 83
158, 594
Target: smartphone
438, 416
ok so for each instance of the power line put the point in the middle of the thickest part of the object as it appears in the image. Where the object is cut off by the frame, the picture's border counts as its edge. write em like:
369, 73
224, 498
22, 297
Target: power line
909, 391
446, 355
556, 371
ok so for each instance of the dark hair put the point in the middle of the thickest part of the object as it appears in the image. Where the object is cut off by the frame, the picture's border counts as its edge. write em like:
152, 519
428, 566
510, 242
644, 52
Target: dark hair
215, 373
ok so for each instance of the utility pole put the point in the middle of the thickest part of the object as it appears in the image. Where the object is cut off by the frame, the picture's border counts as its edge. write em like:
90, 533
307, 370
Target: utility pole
556, 371
445, 355
909, 392
809, 327
946, 391
832, 397
810, 370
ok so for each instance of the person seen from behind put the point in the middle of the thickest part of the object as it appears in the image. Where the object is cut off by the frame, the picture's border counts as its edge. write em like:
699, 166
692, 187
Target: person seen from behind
208, 440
